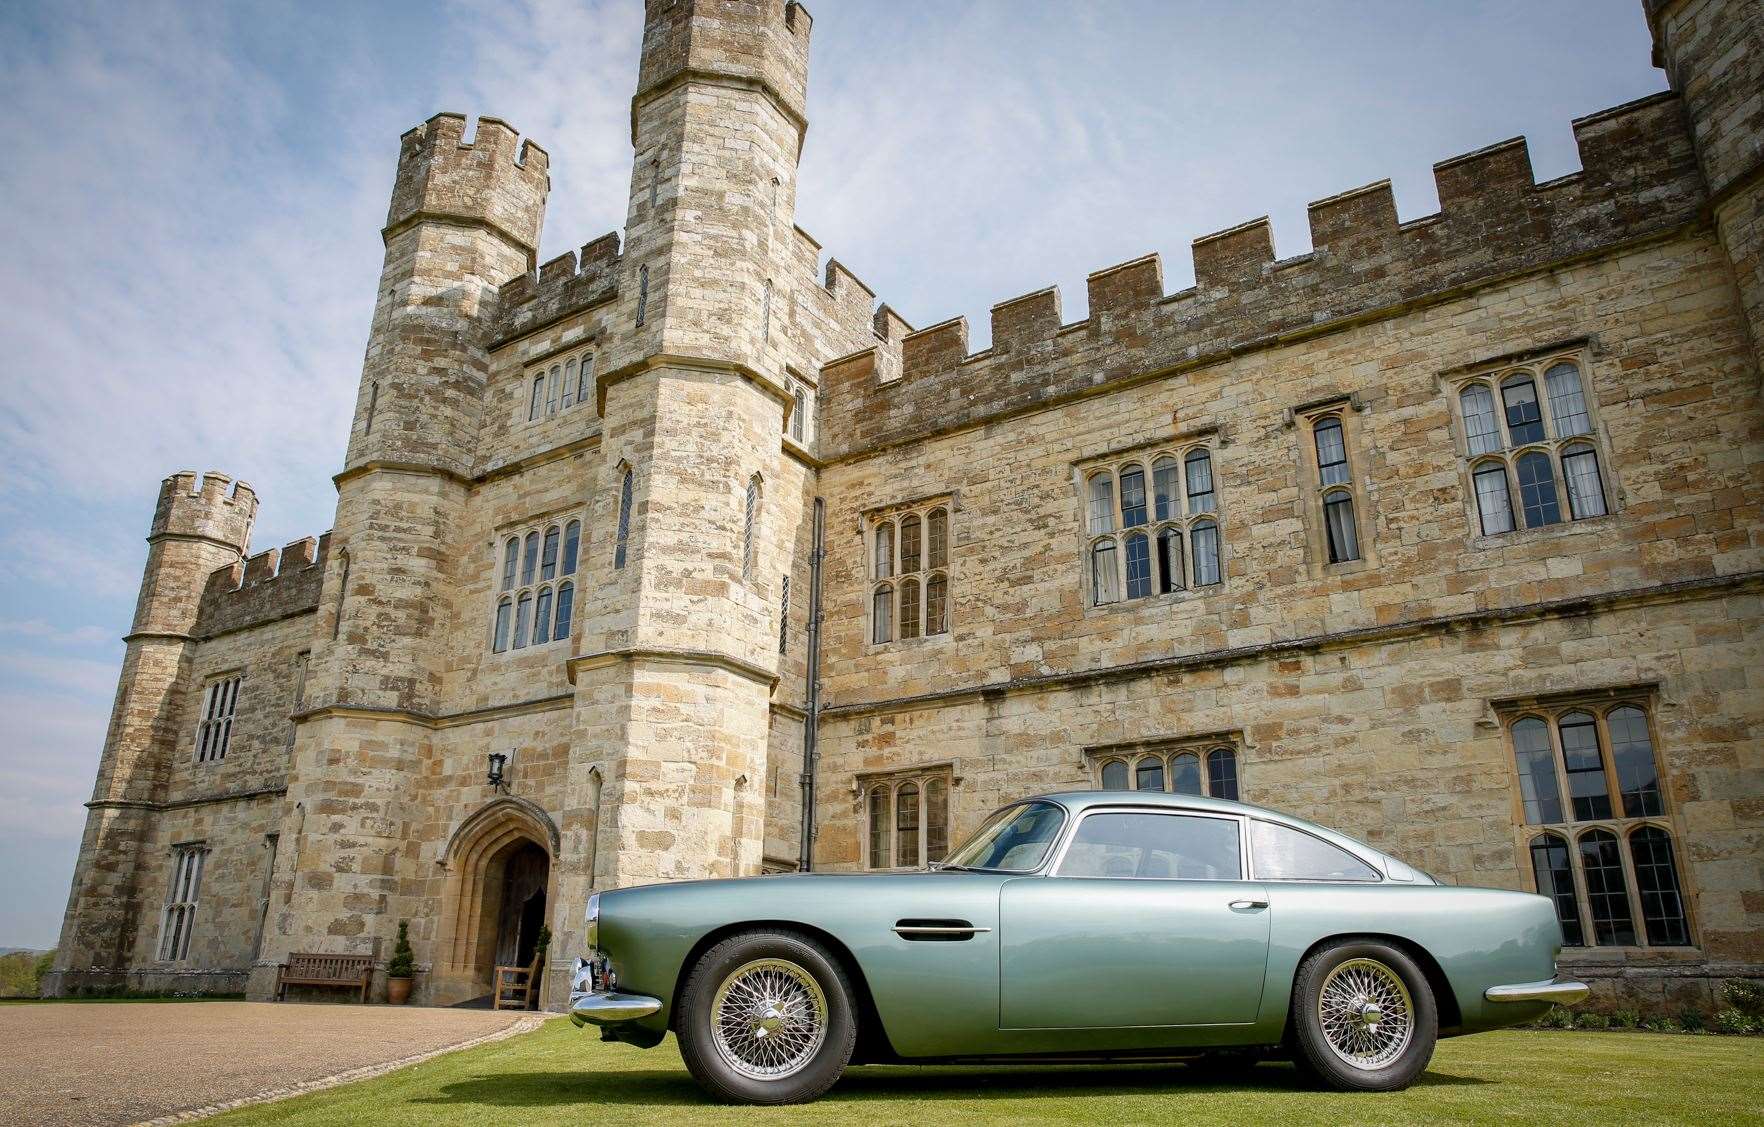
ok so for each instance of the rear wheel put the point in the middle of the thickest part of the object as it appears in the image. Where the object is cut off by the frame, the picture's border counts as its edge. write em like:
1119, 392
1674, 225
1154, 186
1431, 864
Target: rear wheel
1363, 1017
767, 1018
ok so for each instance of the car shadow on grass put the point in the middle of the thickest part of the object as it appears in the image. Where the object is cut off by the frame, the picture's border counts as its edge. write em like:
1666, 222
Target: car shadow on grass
674, 1086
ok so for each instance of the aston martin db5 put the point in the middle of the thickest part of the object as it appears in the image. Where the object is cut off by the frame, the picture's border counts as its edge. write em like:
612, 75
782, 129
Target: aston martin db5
1112, 925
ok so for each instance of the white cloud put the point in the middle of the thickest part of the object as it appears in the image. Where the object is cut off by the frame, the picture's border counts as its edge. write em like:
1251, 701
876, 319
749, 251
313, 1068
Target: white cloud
37, 628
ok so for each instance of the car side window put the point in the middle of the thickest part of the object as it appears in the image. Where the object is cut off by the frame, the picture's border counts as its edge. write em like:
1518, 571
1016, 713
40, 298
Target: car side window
1283, 853
1150, 845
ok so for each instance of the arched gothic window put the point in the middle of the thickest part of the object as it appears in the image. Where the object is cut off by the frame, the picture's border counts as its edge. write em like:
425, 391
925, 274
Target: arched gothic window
1222, 773
535, 600
1656, 881
1494, 503
624, 532
1148, 774
1571, 761
1336, 489
1537, 446
548, 558
1200, 770
1159, 541
749, 528
1606, 894
907, 819
566, 606
1554, 875
529, 558
909, 574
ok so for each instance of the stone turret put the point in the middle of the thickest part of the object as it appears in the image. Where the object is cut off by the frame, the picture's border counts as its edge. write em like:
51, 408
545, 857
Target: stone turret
694, 398
198, 526
1713, 53
465, 218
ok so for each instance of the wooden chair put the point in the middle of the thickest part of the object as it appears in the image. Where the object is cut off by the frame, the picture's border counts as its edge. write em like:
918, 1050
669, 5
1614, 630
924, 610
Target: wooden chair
517, 987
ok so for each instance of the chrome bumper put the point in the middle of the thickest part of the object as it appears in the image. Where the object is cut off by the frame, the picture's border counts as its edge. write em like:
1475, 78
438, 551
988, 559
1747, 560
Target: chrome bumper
1563, 992
593, 998
608, 1007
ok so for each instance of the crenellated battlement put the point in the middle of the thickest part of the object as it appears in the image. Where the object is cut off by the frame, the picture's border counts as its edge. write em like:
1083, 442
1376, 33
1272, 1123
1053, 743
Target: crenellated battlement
212, 506
755, 41
1638, 177
495, 178
566, 284
263, 588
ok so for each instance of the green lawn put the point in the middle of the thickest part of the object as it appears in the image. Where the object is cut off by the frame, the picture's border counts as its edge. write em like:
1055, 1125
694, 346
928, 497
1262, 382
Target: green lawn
561, 1075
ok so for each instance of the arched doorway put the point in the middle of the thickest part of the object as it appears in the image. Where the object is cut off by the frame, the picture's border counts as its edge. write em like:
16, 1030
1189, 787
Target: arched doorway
498, 896
526, 872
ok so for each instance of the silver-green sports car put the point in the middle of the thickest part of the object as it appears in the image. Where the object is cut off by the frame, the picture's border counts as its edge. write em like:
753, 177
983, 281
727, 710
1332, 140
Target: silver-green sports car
1085, 925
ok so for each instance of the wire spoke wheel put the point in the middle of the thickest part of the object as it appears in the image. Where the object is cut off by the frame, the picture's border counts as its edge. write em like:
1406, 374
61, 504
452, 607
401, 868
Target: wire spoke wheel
1367, 1016
768, 1019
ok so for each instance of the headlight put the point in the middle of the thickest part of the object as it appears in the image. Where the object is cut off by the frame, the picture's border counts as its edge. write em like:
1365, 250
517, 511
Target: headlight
593, 928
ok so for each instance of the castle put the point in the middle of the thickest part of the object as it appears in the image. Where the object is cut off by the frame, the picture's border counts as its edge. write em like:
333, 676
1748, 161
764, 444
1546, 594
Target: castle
681, 557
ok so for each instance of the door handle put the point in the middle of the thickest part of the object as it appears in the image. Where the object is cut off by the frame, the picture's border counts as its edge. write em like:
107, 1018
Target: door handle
945, 930
1247, 904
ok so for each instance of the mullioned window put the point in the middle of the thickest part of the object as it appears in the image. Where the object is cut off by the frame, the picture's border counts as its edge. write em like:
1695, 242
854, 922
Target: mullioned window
535, 586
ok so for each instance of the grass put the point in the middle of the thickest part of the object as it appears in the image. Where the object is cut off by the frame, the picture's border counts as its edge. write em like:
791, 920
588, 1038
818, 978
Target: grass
558, 1074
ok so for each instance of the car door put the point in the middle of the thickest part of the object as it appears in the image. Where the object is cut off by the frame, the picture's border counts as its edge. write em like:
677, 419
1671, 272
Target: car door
1144, 920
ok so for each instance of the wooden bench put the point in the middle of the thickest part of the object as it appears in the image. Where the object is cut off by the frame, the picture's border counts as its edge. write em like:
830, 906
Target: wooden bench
318, 969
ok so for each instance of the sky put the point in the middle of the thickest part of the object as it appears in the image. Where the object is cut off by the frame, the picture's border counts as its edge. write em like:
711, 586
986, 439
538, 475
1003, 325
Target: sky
193, 194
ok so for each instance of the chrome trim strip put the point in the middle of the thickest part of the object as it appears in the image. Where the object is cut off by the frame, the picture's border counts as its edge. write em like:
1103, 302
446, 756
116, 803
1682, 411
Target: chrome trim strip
609, 1008
1563, 992
929, 929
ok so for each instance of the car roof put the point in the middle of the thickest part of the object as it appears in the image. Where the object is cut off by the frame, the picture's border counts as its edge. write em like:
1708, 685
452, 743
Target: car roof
1077, 801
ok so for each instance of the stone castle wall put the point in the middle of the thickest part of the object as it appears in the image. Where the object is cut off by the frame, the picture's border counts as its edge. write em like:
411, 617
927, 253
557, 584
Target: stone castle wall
663, 737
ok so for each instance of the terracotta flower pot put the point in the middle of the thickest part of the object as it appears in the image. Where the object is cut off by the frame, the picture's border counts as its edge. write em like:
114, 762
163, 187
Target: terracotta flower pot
397, 991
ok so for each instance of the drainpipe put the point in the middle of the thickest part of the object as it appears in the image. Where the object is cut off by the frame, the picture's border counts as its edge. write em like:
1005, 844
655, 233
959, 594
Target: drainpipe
812, 721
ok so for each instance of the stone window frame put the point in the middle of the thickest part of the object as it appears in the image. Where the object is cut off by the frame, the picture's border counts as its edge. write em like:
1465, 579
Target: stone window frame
892, 521
1315, 494
1571, 831
214, 718
753, 509
1506, 454
1183, 523
1133, 756
513, 582
627, 500
891, 784
799, 427
183, 893
558, 383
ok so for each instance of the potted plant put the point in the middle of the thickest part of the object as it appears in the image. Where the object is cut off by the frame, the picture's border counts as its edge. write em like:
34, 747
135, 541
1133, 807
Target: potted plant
540, 946
399, 970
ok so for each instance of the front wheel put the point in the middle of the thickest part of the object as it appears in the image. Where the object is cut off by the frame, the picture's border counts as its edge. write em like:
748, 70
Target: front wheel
1363, 1017
767, 1018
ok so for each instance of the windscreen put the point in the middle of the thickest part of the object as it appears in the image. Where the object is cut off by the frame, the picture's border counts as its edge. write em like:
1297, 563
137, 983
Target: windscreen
1014, 840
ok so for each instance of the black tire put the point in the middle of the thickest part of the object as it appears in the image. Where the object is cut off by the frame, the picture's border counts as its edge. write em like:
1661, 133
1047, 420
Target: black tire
1314, 1049
714, 1065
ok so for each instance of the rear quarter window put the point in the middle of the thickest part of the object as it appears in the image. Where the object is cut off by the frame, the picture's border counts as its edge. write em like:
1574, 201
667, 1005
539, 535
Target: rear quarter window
1283, 853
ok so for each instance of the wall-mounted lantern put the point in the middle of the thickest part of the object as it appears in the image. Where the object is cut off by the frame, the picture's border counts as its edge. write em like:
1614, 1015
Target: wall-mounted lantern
498, 771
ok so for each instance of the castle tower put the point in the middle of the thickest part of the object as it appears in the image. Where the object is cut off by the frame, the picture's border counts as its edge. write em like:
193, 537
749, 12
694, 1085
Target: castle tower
1713, 53
196, 529
464, 218
681, 641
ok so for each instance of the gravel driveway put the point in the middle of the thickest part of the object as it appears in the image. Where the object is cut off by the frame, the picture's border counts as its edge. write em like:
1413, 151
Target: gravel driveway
95, 1063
